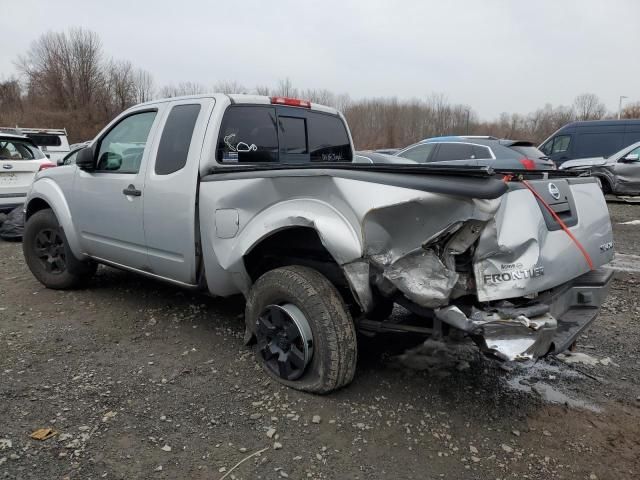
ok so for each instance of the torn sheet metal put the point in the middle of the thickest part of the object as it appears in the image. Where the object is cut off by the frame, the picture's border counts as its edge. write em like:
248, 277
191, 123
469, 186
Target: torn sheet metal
422, 278
510, 339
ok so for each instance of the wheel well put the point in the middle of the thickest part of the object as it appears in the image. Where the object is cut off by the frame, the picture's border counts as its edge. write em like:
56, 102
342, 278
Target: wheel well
606, 183
36, 205
296, 246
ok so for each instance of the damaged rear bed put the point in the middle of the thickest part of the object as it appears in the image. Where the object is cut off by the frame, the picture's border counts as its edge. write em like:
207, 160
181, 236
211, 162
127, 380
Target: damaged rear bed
521, 273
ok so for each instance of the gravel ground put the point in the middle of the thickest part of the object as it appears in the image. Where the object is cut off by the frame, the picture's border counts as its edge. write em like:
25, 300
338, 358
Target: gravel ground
140, 380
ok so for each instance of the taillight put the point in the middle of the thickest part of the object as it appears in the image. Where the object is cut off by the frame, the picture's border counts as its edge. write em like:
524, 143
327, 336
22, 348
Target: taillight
44, 166
292, 102
528, 164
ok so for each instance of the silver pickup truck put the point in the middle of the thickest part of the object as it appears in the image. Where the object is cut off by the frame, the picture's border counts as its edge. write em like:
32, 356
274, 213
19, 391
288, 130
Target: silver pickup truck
259, 196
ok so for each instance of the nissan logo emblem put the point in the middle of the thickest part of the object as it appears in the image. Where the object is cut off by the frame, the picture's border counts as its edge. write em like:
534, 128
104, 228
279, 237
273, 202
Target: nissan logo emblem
7, 166
554, 191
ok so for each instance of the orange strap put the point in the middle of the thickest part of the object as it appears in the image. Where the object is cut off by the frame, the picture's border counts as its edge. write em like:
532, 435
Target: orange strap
562, 224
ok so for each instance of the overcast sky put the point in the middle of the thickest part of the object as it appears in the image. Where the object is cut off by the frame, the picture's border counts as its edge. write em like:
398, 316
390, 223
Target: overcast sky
494, 55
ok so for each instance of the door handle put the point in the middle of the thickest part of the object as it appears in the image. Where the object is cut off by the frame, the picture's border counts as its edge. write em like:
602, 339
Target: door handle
131, 191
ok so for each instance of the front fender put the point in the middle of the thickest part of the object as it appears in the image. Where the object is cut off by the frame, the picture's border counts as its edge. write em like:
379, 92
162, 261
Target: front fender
49, 191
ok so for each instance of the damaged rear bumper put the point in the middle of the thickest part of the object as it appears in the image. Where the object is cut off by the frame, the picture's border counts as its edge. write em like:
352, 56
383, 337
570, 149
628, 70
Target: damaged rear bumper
548, 326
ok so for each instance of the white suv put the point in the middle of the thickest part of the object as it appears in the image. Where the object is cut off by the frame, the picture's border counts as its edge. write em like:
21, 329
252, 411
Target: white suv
20, 160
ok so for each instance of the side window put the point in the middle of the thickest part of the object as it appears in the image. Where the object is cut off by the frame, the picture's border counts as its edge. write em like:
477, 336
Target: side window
635, 151
480, 152
293, 134
419, 153
560, 144
248, 134
328, 138
121, 149
454, 151
546, 148
176, 139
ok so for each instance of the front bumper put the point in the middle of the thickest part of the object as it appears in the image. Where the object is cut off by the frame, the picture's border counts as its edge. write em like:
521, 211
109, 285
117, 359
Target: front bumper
548, 326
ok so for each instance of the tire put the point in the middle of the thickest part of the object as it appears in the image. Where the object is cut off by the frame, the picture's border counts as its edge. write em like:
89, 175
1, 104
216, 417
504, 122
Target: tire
335, 349
61, 270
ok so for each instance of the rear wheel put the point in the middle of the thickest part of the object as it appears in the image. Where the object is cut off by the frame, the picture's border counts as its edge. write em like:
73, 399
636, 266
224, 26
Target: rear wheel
48, 255
305, 336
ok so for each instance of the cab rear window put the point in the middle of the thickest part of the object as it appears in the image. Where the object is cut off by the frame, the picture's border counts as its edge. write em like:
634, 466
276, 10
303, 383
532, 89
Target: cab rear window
256, 134
45, 140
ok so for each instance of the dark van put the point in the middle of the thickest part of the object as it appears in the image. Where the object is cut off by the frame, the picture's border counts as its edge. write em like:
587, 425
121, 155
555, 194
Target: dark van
597, 138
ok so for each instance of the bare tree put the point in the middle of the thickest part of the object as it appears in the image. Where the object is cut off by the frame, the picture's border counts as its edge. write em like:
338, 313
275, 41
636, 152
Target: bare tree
229, 87
262, 90
143, 88
120, 84
286, 89
64, 68
10, 96
588, 106
632, 110
183, 88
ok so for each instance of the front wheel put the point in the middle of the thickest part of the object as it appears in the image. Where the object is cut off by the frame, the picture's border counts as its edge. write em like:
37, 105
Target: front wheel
305, 335
48, 255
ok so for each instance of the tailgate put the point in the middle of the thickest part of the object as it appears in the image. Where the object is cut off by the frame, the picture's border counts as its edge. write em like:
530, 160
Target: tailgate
524, 250
16, 175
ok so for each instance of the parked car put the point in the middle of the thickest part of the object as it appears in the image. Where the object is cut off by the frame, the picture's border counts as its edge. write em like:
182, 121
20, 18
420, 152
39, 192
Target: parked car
20, 160
374, 156
259, 196
588, 139
52, 141
477, 151
387, 151
619, 173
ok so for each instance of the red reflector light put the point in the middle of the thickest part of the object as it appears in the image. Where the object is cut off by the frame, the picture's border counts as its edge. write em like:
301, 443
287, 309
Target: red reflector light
528, 164
292, 102
44, 166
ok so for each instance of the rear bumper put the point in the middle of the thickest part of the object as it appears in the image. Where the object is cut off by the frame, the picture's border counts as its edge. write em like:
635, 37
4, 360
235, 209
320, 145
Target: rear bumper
549, 326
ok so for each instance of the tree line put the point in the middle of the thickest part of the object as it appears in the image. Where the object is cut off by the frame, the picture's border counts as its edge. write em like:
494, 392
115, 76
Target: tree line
65, 79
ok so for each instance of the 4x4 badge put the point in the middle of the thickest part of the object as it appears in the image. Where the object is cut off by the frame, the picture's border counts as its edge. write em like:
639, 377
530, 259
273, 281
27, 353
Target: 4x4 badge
554, 191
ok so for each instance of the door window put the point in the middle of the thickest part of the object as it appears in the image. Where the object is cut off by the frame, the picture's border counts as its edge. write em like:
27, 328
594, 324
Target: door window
248, 134
454, 151
176, 139
635, 151
419, 153
121, 149
560, 144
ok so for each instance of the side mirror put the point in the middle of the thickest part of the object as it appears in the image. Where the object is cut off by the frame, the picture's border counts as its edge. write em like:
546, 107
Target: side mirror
632, 157
86, 159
